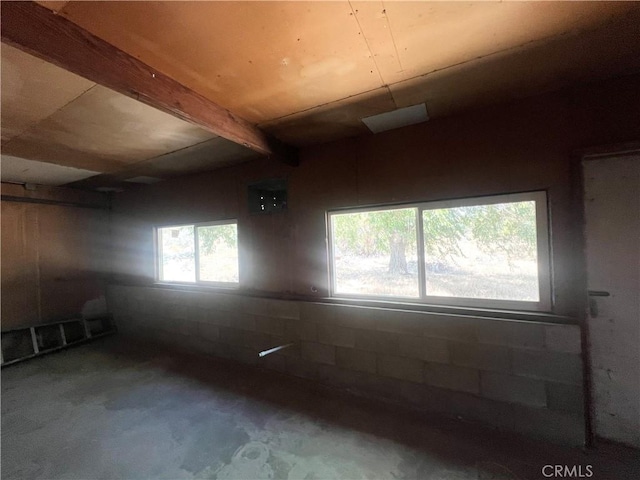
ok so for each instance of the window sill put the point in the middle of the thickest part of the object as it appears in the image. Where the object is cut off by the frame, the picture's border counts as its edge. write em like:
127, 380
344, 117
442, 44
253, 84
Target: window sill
488, 313
463, 311
207, 287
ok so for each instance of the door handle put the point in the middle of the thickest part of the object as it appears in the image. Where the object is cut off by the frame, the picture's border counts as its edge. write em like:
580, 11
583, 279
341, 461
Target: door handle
593, 304
598, 293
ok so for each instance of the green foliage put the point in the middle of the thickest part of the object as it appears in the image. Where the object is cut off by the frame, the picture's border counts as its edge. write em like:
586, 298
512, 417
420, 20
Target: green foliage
215, 236
369, 233
177, 242
442, 229
508, 228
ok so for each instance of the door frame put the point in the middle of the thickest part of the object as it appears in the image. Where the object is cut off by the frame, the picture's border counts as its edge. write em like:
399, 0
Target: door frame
582, 300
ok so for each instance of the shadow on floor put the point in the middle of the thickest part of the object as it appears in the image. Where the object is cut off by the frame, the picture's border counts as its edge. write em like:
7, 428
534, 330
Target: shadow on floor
119, 408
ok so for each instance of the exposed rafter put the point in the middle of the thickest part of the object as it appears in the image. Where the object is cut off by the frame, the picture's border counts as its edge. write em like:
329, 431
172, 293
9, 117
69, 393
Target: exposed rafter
40, 32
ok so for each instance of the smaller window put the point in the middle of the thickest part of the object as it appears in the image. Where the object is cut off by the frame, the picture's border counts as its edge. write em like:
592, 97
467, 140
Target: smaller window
200, 253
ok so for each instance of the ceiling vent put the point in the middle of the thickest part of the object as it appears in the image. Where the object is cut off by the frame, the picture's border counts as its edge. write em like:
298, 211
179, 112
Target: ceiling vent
397, 118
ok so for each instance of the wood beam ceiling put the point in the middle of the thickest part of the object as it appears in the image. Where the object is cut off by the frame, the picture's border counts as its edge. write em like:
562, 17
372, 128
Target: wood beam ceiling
40, 32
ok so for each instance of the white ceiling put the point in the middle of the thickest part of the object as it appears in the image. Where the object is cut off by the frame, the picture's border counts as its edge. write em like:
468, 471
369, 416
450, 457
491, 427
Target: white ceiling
21, 170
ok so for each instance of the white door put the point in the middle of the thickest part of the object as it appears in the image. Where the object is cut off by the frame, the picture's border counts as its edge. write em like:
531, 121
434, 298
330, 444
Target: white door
612, 214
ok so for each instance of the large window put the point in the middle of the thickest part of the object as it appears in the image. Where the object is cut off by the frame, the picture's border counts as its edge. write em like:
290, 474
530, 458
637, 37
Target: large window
200, 253
483, 252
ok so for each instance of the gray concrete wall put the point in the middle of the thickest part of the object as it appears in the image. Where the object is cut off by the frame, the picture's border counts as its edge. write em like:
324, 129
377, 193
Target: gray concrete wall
519, 376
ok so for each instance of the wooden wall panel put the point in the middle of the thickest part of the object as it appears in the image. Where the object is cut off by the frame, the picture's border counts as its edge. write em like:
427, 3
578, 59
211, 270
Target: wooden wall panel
55, 259
513, 147
20, 295
73, 258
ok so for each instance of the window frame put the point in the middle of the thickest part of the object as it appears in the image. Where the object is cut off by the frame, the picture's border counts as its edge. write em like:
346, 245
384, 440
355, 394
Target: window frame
196, 254
543, 247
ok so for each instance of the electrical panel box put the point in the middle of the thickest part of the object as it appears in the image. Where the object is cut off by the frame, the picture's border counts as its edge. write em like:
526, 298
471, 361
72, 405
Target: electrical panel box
268, 196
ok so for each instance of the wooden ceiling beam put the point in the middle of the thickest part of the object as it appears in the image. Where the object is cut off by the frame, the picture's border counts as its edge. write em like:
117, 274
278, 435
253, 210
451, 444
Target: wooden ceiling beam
40, 32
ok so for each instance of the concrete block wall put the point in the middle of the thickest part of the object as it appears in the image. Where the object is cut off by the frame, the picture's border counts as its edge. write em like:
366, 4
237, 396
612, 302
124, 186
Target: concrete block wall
520, 376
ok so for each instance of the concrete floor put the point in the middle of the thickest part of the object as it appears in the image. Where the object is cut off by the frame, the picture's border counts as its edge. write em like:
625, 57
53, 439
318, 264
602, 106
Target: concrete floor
112, 409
